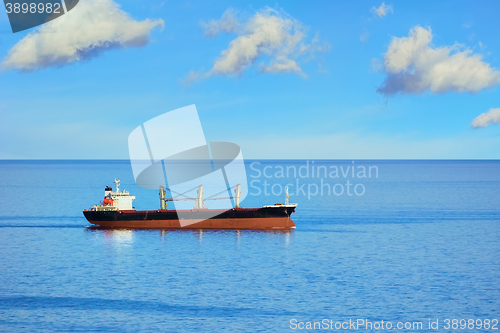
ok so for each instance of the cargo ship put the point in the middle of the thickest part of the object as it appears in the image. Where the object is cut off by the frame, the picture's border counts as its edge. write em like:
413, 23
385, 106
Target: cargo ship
116, 211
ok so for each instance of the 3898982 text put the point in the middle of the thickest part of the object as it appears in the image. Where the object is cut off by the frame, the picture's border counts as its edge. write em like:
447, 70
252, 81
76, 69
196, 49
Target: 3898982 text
455, 324
33, 8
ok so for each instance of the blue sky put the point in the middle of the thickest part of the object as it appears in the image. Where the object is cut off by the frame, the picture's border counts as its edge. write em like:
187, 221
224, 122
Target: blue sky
331, 109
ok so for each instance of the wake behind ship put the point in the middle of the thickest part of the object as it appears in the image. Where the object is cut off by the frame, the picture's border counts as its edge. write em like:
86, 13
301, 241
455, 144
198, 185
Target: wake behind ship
116, 211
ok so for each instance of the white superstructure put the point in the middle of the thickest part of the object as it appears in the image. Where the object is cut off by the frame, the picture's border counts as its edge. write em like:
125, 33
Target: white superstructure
116, 200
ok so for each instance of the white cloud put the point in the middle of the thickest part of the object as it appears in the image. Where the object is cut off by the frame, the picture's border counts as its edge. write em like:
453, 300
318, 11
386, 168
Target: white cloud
228, 23
412, 65
268, 35
92, 27
282, 64
382, 10
487, 118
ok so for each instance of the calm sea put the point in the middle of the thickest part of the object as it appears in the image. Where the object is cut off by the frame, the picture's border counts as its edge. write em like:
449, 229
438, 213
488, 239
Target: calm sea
411, 242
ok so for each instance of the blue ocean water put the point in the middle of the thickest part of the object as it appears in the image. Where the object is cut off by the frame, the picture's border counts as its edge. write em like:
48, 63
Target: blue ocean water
418, 241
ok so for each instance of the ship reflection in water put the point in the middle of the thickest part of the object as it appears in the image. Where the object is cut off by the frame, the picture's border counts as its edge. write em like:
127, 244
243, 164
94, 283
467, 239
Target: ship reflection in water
125, 236
120, 235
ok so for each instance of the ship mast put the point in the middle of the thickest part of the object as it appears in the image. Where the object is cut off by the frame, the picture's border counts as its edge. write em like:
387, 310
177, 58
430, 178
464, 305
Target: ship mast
162, 198
287, 196
199, 198
237, 196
